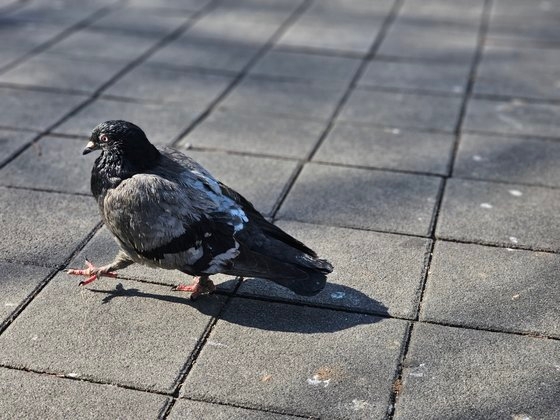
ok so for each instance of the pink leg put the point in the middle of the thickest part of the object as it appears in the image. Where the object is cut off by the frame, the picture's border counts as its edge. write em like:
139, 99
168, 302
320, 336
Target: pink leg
201, 285
92, 273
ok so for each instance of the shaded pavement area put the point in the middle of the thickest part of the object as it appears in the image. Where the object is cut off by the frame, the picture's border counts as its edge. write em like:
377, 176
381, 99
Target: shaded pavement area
413, 143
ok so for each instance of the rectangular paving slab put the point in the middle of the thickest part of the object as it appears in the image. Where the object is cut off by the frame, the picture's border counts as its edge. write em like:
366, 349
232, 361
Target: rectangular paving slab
173, 86
423, 40
363, 198
389, 148
373, 272
294, 64
12, 141
508, 159
298, 360
89, 44
285, 98
134, 334
401, 110
448, 78
161, 123
186, 53
264, 134
502, 214
131, 21
43, 228
512, 117
519, 72
338, 26
499, 288
44, 165
461, 373
218, 27
47, 70
28, 395
16, 283
195, 410
35, 110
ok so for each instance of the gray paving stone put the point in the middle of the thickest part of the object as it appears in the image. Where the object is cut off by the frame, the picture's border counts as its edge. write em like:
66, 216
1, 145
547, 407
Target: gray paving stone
299, 360
11, 141
132, 21
373, 272
195, 410
464, 11
102, 249
402, 110
220, 28
519, 72
338, 26
387, 148
60, 72
161, 123
362, 198
421, 40
293, 64
16, 283
28, 395
184, 53
499, 289
460, 373
513, 117
509, 159
90, 44
134, 334
284, 98
9, 56
43, 228
193, 5
438, 77
270, 135
258, 11
503, 214
260, 180
34, 109
63, 13
45, 165
515, 20
24, 36
173, 86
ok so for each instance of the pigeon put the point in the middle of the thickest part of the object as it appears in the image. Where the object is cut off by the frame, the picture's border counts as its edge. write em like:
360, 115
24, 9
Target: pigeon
166, 211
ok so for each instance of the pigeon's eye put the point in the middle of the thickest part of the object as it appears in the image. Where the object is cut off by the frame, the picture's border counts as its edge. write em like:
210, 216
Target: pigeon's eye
103, 138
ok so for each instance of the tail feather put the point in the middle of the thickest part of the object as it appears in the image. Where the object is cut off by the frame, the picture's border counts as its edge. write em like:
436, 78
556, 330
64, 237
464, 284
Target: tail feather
303, 279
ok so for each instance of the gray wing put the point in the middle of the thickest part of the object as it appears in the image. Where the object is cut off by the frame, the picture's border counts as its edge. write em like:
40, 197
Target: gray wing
175, 221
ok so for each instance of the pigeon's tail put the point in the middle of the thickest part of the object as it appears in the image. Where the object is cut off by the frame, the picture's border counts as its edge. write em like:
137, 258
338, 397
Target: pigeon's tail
300, 272
313, 282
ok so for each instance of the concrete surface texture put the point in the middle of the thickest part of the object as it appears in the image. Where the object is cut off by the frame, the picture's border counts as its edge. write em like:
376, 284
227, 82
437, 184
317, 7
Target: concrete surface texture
413, 143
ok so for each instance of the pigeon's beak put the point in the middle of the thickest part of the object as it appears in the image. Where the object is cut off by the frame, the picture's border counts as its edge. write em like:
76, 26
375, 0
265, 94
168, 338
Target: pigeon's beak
90, 147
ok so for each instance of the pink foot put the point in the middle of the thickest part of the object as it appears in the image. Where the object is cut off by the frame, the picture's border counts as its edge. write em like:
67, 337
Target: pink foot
199, 287
92, 273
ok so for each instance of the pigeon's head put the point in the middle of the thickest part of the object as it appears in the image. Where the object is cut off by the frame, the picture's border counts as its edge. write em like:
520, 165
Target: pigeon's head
122, 139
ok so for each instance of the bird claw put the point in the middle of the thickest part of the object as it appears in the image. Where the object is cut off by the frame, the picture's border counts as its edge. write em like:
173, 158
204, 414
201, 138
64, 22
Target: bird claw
91, 272
196, 289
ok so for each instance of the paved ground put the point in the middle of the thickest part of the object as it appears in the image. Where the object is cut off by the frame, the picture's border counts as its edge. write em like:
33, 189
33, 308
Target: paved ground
413, 143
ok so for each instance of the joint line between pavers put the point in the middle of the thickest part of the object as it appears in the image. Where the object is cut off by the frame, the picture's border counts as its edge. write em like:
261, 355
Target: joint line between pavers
191, 360
482, 31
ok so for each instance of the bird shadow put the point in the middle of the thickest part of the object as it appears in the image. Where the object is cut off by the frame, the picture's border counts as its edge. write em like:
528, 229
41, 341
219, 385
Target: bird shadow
261, 313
